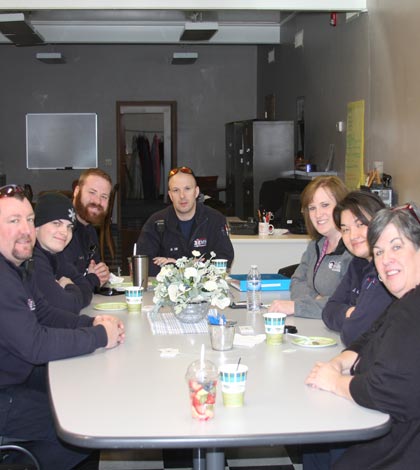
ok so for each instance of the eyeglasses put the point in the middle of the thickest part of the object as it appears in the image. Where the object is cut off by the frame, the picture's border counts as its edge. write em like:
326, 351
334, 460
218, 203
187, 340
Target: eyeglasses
11, 190
182, 169
410, 208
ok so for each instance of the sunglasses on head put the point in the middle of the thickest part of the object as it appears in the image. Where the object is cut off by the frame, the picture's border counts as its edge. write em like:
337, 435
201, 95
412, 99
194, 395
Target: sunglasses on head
182, 169
10, 190
410, 208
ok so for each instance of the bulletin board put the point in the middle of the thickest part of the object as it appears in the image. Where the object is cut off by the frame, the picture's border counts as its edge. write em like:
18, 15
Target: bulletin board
355, 144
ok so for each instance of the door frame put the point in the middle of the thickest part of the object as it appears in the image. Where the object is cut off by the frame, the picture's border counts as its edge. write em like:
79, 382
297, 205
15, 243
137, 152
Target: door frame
169, 110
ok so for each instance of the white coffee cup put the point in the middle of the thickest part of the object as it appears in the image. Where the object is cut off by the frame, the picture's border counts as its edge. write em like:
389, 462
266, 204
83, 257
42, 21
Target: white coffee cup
264, 228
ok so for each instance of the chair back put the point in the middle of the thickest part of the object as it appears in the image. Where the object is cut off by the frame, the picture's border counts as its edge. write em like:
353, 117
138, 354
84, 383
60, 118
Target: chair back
108, 217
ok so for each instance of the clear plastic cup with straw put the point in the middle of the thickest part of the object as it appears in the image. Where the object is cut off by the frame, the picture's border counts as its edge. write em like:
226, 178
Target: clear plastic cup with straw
201, 377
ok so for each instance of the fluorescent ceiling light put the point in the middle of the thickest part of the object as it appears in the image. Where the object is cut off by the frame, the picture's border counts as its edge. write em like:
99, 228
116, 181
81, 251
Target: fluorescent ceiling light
15, 28
51, 57
184, 58
199, 31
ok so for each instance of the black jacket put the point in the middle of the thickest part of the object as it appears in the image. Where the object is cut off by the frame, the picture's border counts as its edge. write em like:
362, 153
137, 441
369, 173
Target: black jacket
83, 247
49, 268
387, 378
359, 288
32, 332
209, 233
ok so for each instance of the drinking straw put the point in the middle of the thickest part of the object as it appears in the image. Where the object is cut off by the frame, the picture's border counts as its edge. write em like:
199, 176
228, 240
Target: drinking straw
135, 249
239, 361
202, 356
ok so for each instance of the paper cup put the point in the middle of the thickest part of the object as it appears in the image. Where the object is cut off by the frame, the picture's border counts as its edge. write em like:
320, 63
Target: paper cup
134, 299
221, 265
233, 380
274, 327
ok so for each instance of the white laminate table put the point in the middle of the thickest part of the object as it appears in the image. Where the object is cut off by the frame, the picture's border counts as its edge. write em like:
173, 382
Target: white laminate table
269, 252
130, 397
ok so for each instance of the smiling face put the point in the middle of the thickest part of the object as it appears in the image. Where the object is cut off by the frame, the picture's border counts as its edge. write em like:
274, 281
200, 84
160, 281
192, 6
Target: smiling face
183, 192
91, 199
55, 236
354, 234
321, 212
397, 261
17, 229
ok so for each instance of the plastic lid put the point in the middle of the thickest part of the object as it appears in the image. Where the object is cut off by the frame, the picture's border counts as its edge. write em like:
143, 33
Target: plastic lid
254, 266
196, 371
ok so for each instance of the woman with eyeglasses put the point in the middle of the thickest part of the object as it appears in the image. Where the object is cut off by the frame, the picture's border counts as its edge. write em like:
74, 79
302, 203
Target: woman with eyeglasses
326, 259
59, 281
360, 297
380, 370
183, 227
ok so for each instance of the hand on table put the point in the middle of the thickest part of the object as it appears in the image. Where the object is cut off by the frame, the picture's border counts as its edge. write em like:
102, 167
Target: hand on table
101, 270
328, 376
282, 306
114, 327
162, 260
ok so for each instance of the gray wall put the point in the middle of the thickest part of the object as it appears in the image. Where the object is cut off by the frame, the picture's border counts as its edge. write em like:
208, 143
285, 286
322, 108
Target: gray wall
371, 58
219, 88
331, 69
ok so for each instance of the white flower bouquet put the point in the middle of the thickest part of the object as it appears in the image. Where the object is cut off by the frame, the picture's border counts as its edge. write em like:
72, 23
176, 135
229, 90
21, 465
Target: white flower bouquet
191, 280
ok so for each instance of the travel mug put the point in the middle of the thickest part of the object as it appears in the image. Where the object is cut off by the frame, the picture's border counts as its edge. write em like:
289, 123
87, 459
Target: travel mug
140, 271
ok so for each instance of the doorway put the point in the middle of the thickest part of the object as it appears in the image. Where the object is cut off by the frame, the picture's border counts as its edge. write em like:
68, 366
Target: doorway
152, 123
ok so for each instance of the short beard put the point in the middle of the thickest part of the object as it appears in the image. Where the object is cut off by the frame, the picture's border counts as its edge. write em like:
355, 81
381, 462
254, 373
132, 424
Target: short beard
83, 211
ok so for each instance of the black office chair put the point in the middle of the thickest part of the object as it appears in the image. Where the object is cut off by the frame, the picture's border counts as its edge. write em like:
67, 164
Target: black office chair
288, 271
7, 446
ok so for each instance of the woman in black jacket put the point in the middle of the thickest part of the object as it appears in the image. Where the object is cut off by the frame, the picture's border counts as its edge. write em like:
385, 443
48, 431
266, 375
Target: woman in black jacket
380, 370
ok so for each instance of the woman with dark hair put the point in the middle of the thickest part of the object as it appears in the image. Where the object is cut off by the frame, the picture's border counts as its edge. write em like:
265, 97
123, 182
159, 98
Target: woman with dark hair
380, 370
360, 297
326, 259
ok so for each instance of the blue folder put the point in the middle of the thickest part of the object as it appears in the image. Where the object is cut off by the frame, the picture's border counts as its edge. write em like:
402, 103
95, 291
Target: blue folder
268, 282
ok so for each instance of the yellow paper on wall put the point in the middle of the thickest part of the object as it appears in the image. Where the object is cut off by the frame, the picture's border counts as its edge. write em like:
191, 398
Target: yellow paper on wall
355, 145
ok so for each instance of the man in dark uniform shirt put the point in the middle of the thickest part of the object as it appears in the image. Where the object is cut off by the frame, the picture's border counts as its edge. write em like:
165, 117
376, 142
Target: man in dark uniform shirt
183, 227
32, 333
90, 199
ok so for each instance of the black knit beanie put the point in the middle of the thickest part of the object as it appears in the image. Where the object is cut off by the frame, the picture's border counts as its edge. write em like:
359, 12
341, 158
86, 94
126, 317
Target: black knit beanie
53, 206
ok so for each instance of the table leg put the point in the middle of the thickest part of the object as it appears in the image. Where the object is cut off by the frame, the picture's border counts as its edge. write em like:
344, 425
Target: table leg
199, 459
215, 459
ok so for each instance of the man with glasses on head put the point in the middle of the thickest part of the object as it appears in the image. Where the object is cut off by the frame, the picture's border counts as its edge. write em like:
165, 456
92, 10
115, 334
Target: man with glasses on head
184, 226
32, 333
90, 199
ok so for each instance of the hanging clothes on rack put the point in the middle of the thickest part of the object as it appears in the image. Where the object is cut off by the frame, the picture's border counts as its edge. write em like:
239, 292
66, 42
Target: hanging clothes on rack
134, 173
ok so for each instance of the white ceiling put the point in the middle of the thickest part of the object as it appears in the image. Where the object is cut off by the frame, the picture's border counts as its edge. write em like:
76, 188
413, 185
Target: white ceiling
162, 21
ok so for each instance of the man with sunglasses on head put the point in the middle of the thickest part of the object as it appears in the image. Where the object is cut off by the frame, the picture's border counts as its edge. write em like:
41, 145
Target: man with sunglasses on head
184, 226
32, 333
90, 200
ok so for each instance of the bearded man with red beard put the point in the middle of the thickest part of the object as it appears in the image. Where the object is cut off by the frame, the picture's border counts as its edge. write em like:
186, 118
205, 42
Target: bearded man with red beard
90, 200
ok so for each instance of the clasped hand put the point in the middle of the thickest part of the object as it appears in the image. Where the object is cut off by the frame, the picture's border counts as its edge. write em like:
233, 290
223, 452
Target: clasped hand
114, 327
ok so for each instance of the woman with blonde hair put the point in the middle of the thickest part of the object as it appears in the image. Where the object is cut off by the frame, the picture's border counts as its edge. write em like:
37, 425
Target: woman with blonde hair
326, 259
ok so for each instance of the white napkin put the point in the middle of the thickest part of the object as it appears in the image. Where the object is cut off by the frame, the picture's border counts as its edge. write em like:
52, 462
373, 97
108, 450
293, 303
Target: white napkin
113, 279
248, 341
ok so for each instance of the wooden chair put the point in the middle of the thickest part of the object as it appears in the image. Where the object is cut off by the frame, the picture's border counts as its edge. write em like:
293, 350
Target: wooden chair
105, 236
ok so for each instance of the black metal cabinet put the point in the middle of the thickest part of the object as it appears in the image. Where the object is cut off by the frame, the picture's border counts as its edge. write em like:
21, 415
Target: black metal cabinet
255, 151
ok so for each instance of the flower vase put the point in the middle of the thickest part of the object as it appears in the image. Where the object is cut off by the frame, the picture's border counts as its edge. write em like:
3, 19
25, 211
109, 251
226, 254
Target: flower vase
193, 312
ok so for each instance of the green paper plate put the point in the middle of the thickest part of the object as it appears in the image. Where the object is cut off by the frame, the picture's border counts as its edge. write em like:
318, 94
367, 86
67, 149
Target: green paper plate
109, 306
314, 342
121, 286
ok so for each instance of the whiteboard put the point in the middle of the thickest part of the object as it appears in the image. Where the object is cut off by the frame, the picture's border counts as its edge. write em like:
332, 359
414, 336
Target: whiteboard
61, 141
